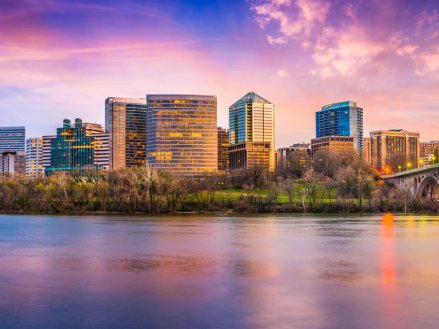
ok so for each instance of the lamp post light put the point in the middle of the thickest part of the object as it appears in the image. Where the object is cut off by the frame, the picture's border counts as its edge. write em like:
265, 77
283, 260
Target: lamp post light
409, 165
399, 168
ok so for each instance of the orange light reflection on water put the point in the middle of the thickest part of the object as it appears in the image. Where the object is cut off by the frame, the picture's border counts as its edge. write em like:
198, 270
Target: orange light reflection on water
388, 263
391, 298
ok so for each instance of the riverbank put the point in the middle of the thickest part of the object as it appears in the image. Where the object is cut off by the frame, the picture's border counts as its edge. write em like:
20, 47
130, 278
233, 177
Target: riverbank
132, 191
282, 209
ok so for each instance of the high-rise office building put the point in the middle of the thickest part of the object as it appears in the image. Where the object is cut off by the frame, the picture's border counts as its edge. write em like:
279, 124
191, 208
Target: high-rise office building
289, 156
13, 163
101, 146
223, 153
427, 148
34, 157
12, 139
182, 133
92, 128
72, 149
251, 120
341, 119
428, 151
341, 146
249, 155
394, 150
47, 151
125, 123
366, 150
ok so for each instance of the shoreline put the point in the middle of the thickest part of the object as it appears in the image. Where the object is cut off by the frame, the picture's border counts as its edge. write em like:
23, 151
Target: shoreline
216, 213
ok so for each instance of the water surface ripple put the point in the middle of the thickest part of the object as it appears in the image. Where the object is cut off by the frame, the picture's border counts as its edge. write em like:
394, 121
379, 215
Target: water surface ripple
304, 272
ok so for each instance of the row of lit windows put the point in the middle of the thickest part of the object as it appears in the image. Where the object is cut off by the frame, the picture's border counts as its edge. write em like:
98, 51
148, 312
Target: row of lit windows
180, 101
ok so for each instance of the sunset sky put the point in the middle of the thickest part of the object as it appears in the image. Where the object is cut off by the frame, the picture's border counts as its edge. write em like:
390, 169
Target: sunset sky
62, 59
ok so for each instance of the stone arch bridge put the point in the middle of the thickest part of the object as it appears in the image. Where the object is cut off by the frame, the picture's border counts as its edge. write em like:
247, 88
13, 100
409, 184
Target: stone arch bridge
422, 183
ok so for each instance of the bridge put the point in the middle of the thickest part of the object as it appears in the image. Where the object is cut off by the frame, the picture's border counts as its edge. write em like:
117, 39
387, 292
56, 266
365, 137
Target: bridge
422, 183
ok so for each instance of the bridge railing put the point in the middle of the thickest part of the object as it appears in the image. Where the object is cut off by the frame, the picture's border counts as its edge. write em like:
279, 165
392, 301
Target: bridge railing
411, 171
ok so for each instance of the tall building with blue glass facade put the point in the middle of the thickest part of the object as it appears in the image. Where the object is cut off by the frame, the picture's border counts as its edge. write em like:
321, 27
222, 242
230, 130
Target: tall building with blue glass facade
341, 119
251, 120
12, 139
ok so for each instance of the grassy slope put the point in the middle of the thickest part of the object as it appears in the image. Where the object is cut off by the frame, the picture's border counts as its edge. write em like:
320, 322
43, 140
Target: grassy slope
235, 194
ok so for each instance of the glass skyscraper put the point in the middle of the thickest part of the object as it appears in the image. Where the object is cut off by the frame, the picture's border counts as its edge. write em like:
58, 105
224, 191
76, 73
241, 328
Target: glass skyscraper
12, 139
72, 149
341, 119
125, 123
251, 119
182, 133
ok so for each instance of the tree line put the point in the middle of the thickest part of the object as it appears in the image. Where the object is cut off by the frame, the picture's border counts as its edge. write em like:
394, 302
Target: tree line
328, 183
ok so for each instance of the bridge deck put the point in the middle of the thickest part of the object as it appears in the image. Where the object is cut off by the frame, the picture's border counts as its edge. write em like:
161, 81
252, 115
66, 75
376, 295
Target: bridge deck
409, 172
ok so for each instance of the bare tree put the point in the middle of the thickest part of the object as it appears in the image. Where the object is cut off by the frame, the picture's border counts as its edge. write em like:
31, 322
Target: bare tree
148, 180
62, 180
304, 193
288, 186
174, 190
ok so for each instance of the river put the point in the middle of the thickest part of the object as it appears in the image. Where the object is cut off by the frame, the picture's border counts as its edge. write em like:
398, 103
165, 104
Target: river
340, 272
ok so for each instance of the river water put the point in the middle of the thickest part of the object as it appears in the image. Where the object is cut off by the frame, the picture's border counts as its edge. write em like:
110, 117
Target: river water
341, 272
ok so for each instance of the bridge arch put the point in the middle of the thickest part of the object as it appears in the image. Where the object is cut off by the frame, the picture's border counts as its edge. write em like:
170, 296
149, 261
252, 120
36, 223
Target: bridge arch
428, 187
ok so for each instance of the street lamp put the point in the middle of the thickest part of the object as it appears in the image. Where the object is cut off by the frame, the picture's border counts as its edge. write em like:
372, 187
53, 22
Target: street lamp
399, 168
433, 159
421, 163
409, 165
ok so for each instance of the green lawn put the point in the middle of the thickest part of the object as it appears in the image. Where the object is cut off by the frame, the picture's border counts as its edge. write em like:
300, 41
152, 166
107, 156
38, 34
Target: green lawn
235, 194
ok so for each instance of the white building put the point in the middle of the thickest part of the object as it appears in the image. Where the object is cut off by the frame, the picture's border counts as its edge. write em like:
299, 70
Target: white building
46, 150
34, 157
101, 150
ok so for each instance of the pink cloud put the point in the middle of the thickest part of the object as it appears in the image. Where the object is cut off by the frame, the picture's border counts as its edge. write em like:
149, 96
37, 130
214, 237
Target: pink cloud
277, 40
344, 53
428, 63
295, 19
343, 49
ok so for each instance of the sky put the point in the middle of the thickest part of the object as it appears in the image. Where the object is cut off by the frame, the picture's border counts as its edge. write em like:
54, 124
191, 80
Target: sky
61, 59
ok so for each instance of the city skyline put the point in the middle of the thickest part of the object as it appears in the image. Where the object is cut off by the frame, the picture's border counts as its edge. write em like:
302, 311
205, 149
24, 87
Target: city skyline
61, 59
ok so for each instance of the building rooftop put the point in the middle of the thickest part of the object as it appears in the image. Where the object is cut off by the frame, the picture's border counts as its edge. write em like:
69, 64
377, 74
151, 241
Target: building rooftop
337, 105
178, 96
12, 127
393, 131
125, 100
250, 97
